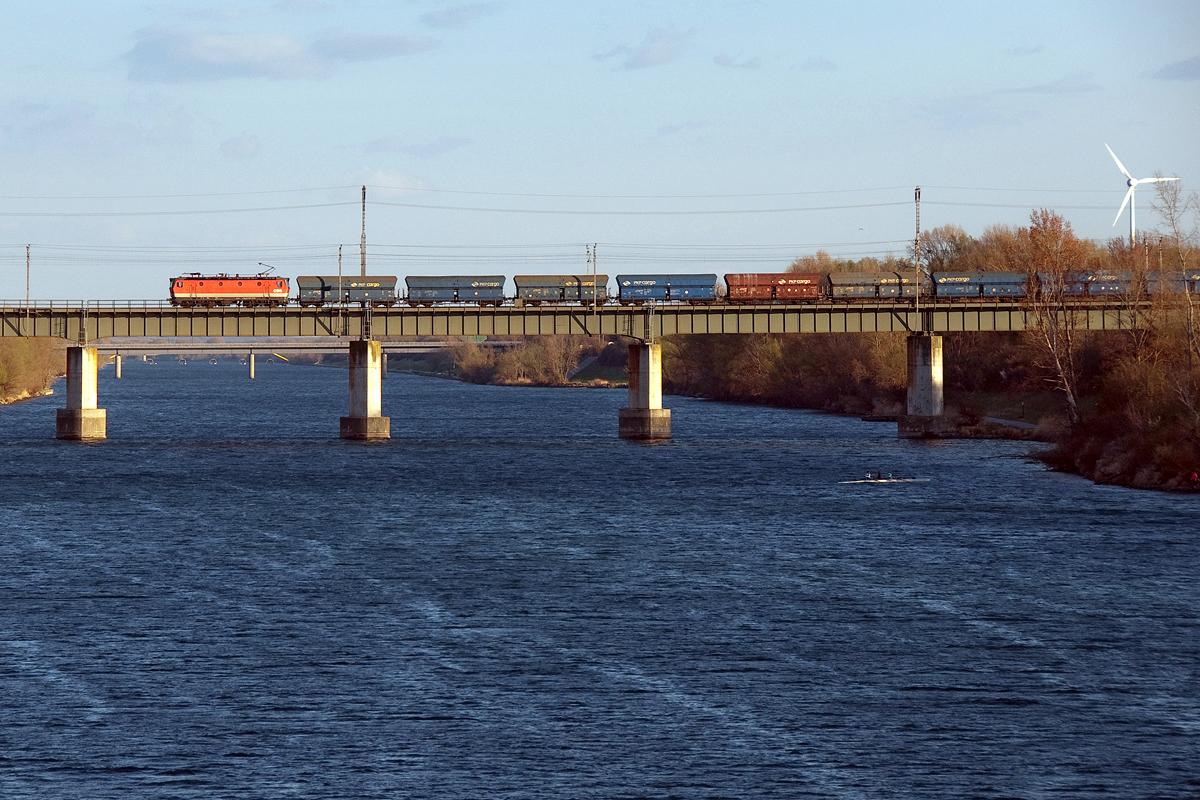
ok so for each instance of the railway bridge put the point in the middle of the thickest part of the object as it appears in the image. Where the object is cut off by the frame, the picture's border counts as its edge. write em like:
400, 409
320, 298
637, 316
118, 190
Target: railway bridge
366, 333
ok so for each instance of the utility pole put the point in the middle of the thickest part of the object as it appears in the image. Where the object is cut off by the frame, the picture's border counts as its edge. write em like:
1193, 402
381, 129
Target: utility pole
595, 288
362, 247
917, 258
26, 287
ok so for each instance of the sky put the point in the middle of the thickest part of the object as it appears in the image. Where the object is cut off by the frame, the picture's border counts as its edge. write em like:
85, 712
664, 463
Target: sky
143, 140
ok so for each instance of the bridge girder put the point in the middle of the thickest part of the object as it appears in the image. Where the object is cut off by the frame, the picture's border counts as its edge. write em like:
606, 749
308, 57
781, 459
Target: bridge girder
88, 322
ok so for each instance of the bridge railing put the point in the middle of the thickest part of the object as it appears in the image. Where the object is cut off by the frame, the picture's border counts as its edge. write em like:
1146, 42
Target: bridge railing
68, 305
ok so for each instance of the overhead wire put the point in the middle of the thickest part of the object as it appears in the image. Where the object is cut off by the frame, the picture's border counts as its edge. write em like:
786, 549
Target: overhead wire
167, 213
431, 190
641, 213
494, 253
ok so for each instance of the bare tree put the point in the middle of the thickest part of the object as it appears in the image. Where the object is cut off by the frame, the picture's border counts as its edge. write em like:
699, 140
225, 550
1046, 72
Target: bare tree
1143, 310
1175, 206
999, 249
1182, 246
942, 248
1056, 259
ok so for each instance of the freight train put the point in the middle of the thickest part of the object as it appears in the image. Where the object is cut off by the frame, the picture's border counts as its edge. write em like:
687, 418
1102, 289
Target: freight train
196, 290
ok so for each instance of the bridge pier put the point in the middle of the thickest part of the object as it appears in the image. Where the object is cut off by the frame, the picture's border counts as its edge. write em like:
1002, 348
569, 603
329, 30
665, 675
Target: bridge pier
117, 365
81, 420
250, 363
645, 418
924, 417
366, 394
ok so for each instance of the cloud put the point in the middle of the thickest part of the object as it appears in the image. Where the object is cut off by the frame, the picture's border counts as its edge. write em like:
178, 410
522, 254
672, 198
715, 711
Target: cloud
83, 128
180, 53
819, 65
1025, 50
669, 131
659, 47
302, 6
723, 60
978, 111
1188, 70
1001, 107
458, 16
244, 146
183, 53
1072, 84
371, 46
382, 183
439, 146
229, 12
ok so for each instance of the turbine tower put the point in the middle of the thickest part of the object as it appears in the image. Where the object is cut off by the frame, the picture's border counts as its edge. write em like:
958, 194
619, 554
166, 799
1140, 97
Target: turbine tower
1133, 184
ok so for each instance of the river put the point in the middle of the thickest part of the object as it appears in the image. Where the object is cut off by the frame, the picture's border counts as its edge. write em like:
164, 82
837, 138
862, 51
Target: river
506, 601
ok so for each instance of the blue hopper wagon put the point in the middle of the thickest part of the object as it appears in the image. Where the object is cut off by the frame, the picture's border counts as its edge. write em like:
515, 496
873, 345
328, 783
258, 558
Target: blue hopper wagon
1070, 284
979, 284
538, 289
637, 289
874, 285
1109, 283
316, 290
1173, 281
482, 289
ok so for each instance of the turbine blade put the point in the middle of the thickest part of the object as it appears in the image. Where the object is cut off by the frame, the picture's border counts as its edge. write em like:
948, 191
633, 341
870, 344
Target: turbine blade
1124, 203
1155, 180
1120, 166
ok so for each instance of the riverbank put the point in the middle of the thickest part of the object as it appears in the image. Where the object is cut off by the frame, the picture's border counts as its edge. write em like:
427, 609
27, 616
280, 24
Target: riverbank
1165, 462
21, 397
1091, 450
29, 367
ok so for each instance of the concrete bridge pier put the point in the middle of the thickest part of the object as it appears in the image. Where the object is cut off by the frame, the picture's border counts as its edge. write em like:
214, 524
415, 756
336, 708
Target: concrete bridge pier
924, 417
81, 420
366, 402
645, 418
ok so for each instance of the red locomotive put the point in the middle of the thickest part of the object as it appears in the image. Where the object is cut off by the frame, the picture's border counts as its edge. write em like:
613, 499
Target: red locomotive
207, 291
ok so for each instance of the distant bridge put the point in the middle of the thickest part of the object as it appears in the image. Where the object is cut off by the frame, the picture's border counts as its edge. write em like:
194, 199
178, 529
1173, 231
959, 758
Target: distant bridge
89, 321
130, 327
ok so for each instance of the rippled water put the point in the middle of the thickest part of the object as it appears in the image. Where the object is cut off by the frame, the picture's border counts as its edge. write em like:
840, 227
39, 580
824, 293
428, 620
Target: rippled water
504, 600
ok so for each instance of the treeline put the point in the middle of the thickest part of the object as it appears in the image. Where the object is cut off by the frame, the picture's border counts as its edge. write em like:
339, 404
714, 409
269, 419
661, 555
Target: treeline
857, 373
1124, 405
535, 361
28, 366
1127, 401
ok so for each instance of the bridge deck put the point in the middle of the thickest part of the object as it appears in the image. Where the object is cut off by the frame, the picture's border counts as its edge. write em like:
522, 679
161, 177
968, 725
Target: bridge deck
97, 320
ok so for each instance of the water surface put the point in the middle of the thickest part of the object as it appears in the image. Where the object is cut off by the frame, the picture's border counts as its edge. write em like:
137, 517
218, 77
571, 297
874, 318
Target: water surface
505, 600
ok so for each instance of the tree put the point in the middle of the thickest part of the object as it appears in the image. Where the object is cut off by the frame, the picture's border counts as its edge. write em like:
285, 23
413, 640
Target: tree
999, 249
1183, 246
819, 262
941, 248
1056, 258
1175, 206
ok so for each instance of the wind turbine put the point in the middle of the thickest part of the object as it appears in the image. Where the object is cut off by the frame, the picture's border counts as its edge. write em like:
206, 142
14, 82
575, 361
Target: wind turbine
1133, 184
